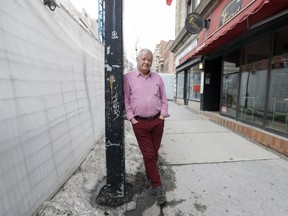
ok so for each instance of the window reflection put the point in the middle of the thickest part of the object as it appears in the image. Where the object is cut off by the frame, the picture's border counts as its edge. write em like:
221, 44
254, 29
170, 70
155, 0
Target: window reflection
230, 84
277, 111
247, 99
180, 85
194, 83
253, 81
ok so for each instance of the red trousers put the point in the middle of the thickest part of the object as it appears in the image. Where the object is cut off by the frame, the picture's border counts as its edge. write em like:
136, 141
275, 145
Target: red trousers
149, 135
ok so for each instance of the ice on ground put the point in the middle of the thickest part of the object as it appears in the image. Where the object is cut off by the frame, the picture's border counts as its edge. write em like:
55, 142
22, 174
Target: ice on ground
76, 195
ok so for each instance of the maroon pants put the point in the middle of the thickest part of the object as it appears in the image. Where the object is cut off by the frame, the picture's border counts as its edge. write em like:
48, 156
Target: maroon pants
149, 135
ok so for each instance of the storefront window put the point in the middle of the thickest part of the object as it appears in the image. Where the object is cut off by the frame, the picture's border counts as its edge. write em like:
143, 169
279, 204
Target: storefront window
253, 81
180, 85
194, 83
230, 84
277, 111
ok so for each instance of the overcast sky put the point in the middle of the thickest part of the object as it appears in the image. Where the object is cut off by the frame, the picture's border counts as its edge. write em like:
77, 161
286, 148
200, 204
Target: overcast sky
145, 22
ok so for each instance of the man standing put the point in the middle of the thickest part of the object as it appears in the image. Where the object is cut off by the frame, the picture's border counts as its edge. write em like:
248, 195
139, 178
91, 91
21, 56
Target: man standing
146, 107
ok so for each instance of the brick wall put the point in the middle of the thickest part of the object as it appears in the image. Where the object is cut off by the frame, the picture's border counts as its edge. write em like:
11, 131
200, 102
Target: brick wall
273, 141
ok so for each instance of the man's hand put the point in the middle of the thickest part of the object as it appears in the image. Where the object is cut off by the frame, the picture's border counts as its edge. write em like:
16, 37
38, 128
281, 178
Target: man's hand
133, 121
162, 117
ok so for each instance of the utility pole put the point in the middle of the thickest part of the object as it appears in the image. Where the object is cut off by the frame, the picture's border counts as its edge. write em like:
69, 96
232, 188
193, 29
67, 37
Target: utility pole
113, 193
136, 48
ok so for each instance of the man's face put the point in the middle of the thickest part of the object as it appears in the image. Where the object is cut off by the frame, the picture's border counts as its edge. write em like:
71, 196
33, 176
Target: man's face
144, 62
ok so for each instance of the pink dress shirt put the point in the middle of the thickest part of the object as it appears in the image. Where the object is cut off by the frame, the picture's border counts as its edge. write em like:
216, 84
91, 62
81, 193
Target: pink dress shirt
144, 96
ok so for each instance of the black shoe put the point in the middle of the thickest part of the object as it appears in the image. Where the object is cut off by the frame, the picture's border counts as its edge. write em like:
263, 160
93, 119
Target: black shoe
153, 191
160, 195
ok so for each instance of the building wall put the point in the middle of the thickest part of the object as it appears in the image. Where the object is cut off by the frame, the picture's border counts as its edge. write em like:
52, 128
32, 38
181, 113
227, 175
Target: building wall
82, 18
168, 57
181, 13
169, 85
51, 102
265, 138
158, 57
275, 119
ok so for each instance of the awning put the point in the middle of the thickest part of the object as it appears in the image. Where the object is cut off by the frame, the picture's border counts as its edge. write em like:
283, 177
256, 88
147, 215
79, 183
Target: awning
251, 12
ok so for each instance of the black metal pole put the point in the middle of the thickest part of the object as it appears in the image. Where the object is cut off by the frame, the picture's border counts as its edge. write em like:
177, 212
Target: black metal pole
113, 193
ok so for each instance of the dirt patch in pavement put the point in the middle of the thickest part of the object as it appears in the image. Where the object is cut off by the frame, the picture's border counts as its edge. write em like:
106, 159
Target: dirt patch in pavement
145, 199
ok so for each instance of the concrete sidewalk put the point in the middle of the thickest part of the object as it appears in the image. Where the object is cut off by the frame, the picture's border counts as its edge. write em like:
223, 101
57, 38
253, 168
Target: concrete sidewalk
215, 172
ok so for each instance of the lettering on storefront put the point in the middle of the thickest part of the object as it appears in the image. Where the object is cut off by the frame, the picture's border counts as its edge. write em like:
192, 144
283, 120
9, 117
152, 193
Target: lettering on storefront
230, 10
187, 50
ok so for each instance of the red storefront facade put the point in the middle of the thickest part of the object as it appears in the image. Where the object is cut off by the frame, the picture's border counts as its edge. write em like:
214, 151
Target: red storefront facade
244, 51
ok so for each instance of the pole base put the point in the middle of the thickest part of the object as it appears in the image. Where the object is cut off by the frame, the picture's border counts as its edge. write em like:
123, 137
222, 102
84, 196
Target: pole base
109, 197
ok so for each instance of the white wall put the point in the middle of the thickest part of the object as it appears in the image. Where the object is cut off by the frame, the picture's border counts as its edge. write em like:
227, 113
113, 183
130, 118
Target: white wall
169, 84
51, 102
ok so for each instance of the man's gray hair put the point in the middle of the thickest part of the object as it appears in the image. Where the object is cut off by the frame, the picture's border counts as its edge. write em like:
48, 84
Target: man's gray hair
144, 50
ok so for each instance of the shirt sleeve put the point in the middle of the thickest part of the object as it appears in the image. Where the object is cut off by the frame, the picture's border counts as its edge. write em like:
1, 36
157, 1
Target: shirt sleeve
127, 91
163, 98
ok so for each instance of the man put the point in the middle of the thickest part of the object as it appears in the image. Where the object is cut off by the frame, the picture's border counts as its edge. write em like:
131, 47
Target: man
146, 107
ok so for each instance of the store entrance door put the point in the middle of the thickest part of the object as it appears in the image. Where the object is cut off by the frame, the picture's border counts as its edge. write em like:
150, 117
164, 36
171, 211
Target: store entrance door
186, 86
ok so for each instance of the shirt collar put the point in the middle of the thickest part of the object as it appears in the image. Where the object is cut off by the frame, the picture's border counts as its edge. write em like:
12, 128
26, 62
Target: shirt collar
140, 74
